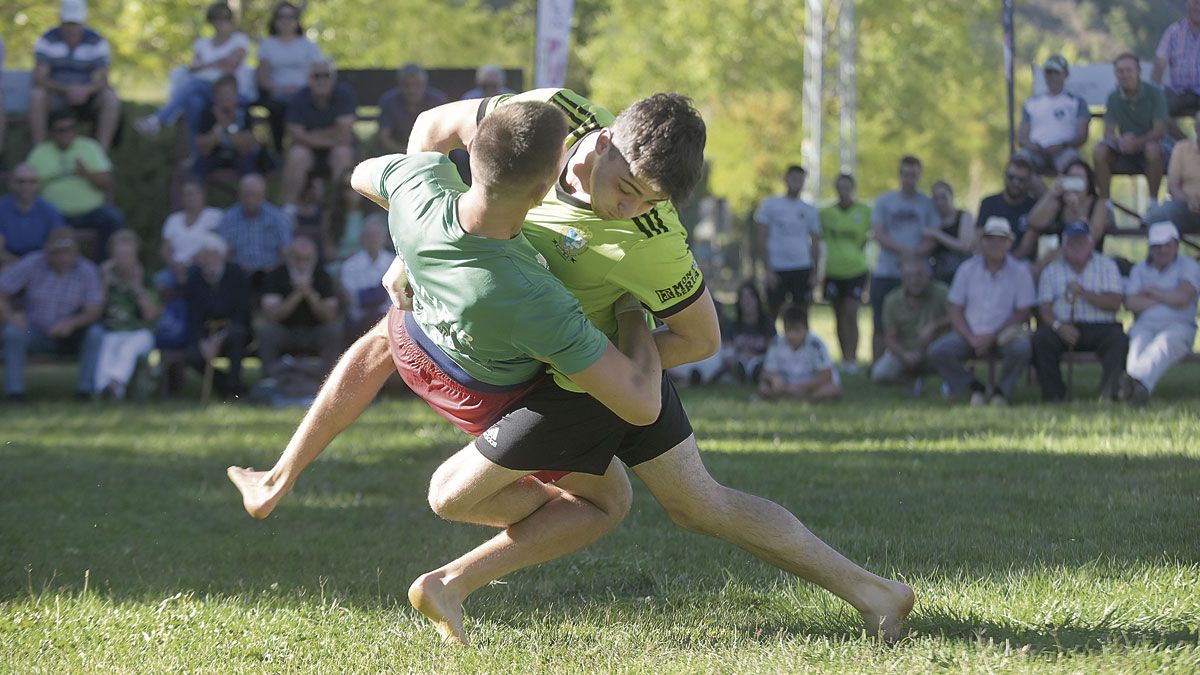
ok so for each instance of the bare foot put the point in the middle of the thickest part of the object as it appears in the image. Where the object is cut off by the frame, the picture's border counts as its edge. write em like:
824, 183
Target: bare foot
258, 497
429, 596
890, 605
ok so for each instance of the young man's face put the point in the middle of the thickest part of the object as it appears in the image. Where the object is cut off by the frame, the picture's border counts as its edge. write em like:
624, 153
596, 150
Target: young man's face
1128, 73
1055, 79
616, 193
794, 181
795, 335
1016, 181
910, 177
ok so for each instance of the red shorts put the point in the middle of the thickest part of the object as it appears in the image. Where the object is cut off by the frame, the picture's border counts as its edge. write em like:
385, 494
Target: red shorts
469, 409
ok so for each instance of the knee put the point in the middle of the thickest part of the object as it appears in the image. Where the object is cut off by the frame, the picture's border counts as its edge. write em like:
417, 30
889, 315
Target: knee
615, 502
1100, 154
698, 513
1153, 151
37, 96
107, 99
298, 158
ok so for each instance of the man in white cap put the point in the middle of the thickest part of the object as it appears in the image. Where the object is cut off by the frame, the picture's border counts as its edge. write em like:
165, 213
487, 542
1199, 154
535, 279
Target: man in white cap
1078, 297
1054, 124
72, 72
990, 301
1161, 292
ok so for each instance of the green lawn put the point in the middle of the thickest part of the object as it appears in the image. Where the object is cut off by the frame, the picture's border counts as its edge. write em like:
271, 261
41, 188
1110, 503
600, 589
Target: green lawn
1037, 539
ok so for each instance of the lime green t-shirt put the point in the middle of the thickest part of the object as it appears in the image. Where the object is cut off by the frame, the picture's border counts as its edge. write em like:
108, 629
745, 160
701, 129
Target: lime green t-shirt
600, 260
489, 304
846, 232
62, 185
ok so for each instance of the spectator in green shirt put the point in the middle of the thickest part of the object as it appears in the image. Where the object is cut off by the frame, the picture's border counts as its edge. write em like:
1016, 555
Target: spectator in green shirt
914, 315
847, 226
1135, 122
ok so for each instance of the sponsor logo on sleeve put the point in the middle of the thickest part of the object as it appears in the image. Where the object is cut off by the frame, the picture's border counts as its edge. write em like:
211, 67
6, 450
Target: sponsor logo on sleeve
681, 289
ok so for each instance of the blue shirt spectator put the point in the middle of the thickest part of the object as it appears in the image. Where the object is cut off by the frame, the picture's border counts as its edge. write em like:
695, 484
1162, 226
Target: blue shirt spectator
26, 219
399, 107
69, 64
256, 230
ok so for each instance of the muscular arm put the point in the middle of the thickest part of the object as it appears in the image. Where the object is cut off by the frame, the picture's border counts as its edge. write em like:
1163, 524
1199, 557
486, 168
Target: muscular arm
693, 334
361, 180
444, 128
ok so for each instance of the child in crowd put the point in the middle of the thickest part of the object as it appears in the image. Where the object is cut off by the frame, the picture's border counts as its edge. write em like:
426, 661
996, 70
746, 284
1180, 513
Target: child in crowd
798, 365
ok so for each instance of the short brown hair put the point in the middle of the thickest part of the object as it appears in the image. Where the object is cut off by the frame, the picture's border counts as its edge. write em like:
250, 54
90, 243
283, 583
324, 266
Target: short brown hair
517, 145
1127, 55
662, 137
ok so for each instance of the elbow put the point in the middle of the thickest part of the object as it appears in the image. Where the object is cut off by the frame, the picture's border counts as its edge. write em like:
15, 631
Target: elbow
360, 181
649, 407
709, 346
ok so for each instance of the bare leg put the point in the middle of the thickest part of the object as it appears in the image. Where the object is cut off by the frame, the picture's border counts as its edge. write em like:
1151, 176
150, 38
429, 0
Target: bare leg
695, 501
108, 117
1102, 155
353, 384
296, 165
544, 522
1154, 167
846, 313
38, 115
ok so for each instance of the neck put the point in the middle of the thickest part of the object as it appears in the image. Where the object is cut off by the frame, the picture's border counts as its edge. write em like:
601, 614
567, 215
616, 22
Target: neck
994, 265
490, 217
845, 204
1137, 84
913, 297
579, 169
193, 213
1163, 265
792, 194
948, 213
1011, 198
1079, 266
1054, 92
908, 192
25, 203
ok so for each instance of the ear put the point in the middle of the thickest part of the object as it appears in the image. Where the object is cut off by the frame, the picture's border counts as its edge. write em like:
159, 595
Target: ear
603, 141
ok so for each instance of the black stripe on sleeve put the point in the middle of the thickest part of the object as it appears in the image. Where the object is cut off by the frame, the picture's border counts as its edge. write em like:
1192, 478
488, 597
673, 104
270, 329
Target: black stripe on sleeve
482, 112
682, 304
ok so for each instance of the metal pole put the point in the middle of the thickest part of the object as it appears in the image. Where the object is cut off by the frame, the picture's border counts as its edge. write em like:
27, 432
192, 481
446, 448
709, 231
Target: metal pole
1009, 52
848, 87
814, 60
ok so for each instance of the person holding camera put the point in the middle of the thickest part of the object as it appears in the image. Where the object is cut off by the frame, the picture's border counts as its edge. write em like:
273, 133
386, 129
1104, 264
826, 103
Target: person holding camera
226, 141
1072, 198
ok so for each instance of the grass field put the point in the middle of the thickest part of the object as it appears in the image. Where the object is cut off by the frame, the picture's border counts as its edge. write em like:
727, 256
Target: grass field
1037, 539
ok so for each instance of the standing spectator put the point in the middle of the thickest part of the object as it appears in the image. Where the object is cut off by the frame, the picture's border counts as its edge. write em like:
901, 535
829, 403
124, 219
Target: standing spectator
71, 71
798, 365
749, 337
225, 141
899, 222
63, 300
1162, 293
77, 178
789, 240
192, 87
26, 220
1135, 121
399, 107
184, 231
1179, 50
1013, 204
130, 310
914, 315
217, 295
1054, 125
489, 81
846, 227
362, 278
1183, 184
301, 309
321, 124
955, 241
1078, 296
990, 301
1071, 198
255, 229
284, 59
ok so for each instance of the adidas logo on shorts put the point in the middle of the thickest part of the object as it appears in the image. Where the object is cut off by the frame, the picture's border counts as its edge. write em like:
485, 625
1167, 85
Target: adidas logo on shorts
491, 434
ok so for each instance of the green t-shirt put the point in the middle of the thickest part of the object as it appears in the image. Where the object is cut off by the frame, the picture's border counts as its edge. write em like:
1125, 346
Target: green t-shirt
846, 232
62, 185
1136, 115
489, 304
908, 321
600, 260
121, 311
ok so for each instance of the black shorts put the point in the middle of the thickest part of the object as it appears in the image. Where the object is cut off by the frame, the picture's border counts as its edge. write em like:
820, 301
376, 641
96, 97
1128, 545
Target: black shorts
840, 289
553, 429
793, 284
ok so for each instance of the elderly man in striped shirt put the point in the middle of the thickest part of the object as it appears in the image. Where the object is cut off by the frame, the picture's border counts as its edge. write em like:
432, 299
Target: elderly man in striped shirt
1078, 296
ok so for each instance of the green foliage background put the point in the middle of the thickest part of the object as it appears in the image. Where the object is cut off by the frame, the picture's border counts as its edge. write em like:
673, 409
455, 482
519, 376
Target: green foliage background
930, 79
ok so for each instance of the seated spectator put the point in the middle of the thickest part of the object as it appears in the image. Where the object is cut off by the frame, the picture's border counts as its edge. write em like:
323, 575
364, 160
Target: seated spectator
301, 308
321, 123
1013, 204
362, 278
71, 72
846, 225
347, 218
955, 241
311, 217
192, 87
217, 295
1177, 50
130, 309
798, 366
914, 315
186, 230
1135, 122
1054, 125
255, 230
1162, 294
1078, 297
63, 299
1183, 184
225, 140
26, 220
489, 81
990, 301
1071, 198
284, 59
399, 107
750, 336
77, 178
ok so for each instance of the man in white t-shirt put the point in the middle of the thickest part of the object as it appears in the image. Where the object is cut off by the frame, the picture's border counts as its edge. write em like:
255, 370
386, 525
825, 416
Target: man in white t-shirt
789, 240
1054, 125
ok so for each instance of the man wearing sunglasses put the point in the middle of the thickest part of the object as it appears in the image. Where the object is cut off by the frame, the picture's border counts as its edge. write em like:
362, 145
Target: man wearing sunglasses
1013, 203
320, 121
